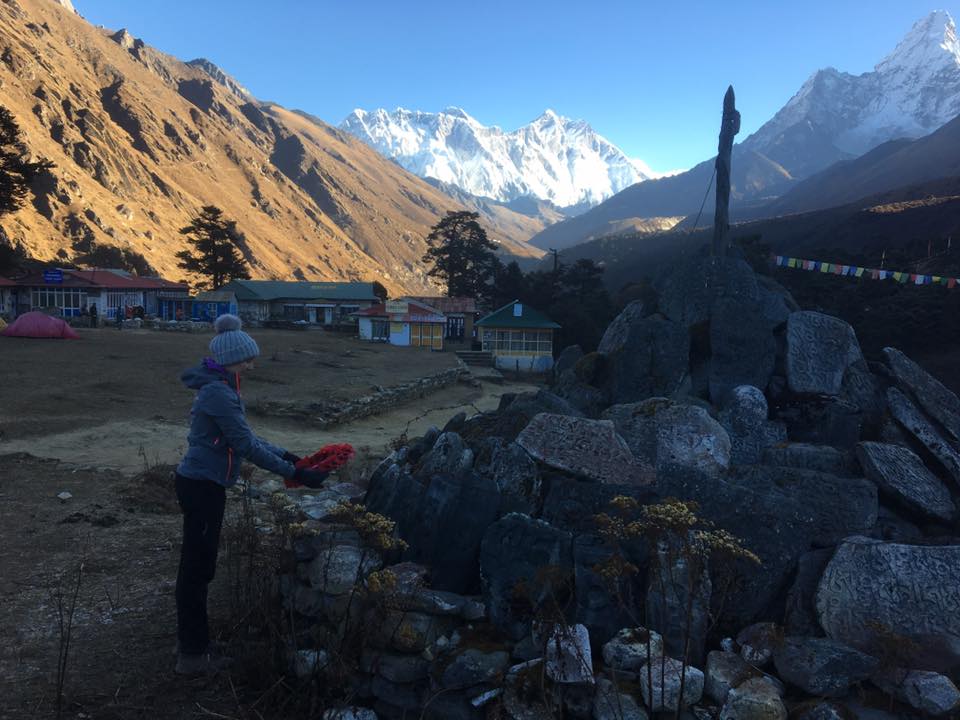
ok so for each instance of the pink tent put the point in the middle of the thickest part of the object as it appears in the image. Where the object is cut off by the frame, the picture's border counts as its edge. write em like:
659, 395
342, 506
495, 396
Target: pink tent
38, 325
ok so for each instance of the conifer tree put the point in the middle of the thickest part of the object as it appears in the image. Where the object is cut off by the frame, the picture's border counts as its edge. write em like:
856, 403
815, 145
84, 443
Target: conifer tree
16, 173
216, 255
461, 254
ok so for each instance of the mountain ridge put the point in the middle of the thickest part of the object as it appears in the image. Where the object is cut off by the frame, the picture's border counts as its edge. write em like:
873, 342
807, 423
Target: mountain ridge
142, 140
551, 158
834, 116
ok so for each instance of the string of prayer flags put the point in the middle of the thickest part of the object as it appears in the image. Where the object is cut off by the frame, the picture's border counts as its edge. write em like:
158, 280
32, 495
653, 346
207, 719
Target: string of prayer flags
857, 271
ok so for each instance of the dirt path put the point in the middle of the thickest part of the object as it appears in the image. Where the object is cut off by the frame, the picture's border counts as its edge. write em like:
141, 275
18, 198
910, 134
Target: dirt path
126, 447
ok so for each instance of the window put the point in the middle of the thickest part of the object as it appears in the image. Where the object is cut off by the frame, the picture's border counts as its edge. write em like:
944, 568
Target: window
69, 302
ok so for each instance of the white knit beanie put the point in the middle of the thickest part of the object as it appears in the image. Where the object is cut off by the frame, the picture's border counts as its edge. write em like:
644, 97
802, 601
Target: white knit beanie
231, 345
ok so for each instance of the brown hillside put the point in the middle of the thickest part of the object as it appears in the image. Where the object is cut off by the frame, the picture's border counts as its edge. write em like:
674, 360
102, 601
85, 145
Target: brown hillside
141, 141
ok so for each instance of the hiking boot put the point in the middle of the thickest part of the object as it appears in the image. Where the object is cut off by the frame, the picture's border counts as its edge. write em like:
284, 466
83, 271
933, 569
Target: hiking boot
207, 663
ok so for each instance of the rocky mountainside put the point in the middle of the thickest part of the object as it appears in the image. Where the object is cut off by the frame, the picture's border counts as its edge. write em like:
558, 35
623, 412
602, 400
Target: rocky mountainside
892, 165
141, 141
553, 158
885, 220
834, 116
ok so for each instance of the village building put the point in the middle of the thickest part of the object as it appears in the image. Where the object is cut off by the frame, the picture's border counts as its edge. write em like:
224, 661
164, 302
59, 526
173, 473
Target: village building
518, 337
323, 303
403, 322
71, 293
460, 312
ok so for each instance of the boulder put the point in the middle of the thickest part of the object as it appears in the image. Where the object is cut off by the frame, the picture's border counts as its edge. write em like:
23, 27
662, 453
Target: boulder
678, 601
603, 604
937, 400
928, 692
835, 507
804, 456
449, 455
586, 398
770, 522
664, 692
873, 594
350, 713
914, 422
473, 666
825, 710
591, 449
408, 632
448, 524
567, 359
689, 293
661, 432
568, 657
800, 614
646, 356
742, 347
903, 478
336, 570
513, 415
628, 651
754, 699
724, 671
820, 666
611, 704
820, 348
821, 420
523, 562
866, 392
516, 476
758, 641
395, 667
744, 417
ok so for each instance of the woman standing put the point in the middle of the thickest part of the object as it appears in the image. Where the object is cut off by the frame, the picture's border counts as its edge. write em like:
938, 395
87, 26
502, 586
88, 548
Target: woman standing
219, 440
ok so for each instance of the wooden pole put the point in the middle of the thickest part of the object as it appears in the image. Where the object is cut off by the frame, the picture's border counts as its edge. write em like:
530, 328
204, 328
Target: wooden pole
729, 126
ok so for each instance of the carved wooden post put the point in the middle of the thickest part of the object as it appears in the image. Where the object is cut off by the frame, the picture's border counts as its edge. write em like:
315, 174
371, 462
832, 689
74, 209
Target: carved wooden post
729, 126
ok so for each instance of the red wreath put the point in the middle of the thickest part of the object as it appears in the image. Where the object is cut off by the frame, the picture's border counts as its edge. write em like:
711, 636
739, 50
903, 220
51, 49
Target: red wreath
326, 459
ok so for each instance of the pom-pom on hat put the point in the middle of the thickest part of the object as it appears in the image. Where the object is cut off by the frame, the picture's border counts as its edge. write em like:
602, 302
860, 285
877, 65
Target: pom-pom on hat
232, 345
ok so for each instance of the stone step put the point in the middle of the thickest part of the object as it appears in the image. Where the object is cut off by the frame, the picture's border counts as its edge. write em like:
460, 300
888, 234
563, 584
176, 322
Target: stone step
475, 357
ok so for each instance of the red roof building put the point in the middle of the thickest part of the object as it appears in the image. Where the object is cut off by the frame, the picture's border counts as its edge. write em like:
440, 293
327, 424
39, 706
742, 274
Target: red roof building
70, 293
402, 322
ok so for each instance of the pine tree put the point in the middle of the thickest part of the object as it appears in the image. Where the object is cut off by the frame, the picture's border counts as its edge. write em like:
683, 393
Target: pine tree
216, 242
461, 254
16, 173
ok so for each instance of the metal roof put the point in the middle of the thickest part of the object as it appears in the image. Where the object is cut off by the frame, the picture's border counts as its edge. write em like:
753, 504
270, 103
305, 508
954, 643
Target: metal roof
102, 278
528, 318
267, 290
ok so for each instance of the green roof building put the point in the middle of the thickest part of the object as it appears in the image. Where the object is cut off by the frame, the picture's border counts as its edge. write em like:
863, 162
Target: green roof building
519, 337
324, 303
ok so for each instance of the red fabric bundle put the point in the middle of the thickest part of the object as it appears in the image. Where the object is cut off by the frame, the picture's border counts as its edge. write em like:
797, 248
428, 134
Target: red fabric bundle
326, 459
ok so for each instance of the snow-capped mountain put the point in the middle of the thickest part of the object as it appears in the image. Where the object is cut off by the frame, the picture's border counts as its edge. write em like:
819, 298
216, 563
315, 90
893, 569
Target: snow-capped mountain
910, 93
553, 158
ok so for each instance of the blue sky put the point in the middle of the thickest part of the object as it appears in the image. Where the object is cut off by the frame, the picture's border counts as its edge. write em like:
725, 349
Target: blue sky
649, 76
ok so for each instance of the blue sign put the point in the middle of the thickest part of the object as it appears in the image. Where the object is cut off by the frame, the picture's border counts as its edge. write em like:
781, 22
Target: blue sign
53, 276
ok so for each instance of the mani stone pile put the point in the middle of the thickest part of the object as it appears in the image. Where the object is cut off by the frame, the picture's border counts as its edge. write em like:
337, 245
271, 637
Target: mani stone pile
516, 595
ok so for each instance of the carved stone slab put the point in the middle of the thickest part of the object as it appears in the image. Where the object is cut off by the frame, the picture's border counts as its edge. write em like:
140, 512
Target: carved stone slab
820, 348
591, 449
902, 476
873, 594
942, 404
913, 421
